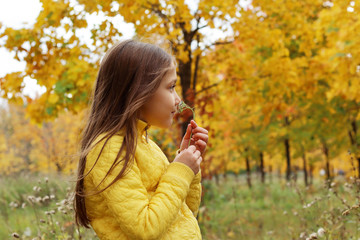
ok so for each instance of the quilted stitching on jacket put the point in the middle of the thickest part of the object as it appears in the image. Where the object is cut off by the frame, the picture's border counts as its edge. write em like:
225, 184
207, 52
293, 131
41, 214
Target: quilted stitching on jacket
154, 200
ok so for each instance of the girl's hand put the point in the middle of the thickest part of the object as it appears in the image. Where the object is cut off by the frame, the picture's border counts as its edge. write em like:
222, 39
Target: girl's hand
190, 157
199, 137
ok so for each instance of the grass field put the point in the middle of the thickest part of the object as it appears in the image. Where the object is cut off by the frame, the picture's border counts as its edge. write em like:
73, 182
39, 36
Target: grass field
279, 210
35, 207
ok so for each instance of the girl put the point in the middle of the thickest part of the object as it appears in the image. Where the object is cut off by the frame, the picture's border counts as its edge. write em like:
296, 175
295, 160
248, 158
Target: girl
126, 187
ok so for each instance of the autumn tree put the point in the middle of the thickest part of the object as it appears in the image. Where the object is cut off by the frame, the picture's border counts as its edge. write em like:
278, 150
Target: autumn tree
338, 28
287, 69
284, 80
49, 147
57, 58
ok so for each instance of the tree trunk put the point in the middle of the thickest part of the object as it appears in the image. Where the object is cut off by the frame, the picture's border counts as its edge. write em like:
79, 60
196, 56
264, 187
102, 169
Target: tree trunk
288, 160
59, 168
304, 169
311, 175
185, 79
358, 166
262, 172
357, 156
287, 151
257, 171
217, 181
327, 166
248, 173
353, 140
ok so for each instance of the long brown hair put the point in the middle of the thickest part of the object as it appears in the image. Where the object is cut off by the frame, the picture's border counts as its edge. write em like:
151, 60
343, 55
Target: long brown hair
129, 74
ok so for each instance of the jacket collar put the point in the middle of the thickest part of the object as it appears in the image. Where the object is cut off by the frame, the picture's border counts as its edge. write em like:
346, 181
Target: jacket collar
142, 127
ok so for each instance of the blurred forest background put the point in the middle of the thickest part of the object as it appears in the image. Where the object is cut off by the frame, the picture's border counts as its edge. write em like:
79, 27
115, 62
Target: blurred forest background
278, 90
280, 93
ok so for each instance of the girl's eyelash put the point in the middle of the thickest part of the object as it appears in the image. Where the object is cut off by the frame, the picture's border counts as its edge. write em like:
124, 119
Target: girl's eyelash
173, 86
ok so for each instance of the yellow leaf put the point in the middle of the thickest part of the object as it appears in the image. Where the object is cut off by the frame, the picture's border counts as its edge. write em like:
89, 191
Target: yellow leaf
80, 83
53, 98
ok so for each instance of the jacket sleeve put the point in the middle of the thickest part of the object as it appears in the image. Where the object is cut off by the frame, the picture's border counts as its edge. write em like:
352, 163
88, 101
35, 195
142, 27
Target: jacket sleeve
138, 215
193, 198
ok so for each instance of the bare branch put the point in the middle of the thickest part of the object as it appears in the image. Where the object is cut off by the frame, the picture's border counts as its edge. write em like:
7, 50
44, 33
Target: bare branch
155, 8
219, 43
208, 87
222, 43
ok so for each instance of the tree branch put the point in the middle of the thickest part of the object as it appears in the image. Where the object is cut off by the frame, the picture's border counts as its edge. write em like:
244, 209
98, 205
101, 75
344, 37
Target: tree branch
155, 8
219, 43
208, 87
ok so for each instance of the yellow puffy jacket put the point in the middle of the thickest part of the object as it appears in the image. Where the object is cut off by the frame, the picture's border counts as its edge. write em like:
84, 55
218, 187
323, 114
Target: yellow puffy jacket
154, 200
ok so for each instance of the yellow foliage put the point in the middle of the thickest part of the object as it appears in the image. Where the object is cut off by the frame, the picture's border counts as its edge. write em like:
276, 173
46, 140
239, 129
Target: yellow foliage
53, 98
51, 147
291, 67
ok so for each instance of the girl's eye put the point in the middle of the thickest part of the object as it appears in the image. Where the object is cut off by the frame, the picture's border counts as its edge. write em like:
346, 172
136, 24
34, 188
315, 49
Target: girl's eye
173, 86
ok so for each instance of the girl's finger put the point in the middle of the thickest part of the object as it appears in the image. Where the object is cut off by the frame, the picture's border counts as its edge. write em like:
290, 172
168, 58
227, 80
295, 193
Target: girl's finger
199, 160
193, 123
188, 132
192, 148
201, 144
201, 136
200, 130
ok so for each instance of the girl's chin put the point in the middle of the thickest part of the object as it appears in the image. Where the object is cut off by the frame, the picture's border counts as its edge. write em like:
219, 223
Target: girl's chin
170, 122
165, 124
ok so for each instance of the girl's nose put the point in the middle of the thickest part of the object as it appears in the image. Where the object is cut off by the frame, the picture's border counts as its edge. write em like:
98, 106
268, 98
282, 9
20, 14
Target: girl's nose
177, 99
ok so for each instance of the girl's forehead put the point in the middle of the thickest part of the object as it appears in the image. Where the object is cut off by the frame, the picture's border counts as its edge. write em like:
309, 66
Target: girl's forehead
170, 74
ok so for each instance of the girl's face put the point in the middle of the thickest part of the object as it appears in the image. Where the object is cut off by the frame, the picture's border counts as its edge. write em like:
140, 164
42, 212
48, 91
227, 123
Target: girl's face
161, 108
